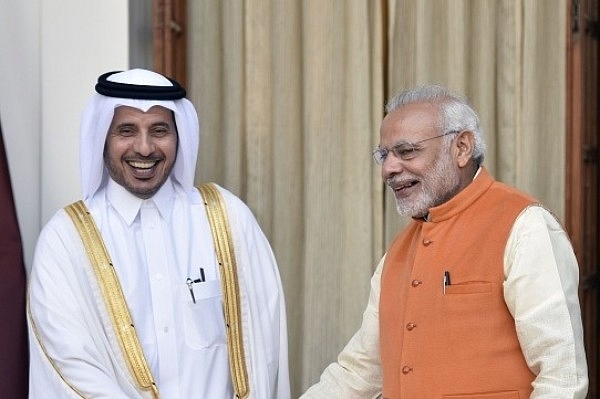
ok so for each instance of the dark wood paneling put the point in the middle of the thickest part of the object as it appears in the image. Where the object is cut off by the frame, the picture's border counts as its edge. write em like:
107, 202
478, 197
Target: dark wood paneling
583, 177
170, 38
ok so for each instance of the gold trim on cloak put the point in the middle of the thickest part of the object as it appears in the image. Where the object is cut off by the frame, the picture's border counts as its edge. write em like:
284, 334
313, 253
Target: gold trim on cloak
113, 297
219, 224
117, 306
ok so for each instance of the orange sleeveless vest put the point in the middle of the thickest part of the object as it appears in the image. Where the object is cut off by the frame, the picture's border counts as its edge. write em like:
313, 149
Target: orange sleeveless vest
456, 340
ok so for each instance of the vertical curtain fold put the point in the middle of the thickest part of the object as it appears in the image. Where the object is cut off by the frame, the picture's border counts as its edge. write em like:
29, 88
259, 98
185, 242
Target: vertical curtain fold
289, 96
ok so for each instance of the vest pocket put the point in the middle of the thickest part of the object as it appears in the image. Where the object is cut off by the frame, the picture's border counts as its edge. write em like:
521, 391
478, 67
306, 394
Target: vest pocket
204, 320
486, 395
469, 287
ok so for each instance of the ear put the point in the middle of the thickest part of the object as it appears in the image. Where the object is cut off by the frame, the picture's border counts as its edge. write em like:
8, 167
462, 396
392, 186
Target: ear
464, 144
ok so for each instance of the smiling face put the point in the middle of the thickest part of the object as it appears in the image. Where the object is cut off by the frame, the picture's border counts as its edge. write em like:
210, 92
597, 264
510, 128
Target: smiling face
141, 148
433, 175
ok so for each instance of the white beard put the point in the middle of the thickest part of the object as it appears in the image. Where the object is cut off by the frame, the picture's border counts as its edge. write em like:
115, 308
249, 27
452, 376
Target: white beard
441, 182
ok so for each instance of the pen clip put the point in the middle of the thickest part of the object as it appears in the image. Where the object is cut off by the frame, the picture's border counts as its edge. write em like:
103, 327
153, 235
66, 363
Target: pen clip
190, 283
446, 281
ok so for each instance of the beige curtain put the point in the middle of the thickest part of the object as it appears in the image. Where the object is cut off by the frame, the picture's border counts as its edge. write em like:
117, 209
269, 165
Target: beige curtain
290, 94
509, 58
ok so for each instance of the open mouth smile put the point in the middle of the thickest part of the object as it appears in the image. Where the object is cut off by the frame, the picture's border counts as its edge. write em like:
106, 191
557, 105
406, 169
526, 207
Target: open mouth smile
143, 169
405, 185
142, 164
403, 188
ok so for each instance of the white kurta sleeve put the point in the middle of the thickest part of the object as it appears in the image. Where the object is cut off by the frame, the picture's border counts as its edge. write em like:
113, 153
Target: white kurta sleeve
357, 372
540, 290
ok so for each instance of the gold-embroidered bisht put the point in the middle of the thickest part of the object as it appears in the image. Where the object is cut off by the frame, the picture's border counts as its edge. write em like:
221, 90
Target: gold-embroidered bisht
117, 306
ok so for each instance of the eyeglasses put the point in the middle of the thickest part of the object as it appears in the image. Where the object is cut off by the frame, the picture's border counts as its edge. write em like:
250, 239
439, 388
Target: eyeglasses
405, 150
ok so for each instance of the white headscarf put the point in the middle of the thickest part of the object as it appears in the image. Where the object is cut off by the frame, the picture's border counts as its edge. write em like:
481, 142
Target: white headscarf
98, 116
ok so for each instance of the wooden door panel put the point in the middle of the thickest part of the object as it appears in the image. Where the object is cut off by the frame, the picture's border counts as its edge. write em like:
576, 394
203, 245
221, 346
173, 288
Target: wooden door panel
583, 177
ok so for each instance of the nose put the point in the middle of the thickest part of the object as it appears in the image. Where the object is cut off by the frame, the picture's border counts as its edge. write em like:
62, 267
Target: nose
391, 166
144, 145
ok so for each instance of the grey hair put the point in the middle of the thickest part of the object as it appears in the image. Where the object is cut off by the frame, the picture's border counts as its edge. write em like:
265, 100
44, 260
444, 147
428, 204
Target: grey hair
455, 112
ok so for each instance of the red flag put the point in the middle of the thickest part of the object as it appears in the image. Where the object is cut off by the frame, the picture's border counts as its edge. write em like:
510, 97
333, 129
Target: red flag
14, 363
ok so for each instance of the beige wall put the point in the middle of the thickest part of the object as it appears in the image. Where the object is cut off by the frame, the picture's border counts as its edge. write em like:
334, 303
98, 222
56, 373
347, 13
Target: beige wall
51, 52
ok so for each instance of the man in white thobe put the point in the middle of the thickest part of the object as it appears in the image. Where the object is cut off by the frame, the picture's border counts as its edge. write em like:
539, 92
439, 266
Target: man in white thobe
139, 142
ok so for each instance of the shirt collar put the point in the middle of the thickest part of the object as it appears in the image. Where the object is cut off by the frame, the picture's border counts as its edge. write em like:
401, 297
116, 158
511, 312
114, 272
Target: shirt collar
481, 182
128, 205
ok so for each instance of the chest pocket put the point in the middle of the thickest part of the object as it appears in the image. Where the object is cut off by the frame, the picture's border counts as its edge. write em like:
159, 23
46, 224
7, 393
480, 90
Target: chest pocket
487, 395
204, 320
473, 287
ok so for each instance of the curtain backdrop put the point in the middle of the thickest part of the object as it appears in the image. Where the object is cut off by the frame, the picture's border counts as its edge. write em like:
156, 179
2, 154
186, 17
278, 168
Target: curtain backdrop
290, 95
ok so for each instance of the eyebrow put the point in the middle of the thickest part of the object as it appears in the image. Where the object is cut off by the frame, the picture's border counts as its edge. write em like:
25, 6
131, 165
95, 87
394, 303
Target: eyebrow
132, 124
163, 124
400, 142
124, 124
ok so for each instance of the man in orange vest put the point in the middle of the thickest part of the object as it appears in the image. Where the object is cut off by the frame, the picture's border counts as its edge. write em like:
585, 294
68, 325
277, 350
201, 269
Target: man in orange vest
477, 296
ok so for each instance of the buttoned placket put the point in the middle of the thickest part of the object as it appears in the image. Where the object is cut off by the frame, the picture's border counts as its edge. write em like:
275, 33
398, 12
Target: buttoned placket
161, 293
415, 284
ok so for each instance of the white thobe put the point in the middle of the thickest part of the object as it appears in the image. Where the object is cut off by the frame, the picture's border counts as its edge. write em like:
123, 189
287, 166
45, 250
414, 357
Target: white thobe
155, 246
540, 289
